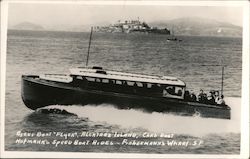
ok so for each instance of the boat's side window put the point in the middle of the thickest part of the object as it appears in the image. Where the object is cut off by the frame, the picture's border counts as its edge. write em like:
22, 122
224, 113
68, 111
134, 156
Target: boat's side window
171, 90
178, 91
105, 81
91, 79
112, 81
174, 90
98, 80
79, 77
130, 83
139, 84
149, 85
118, 82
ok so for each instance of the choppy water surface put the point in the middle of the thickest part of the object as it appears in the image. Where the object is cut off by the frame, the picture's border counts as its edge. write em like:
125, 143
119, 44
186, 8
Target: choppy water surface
55, 52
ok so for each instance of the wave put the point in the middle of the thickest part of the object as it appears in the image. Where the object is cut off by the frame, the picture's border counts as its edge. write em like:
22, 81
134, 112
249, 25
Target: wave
159, 122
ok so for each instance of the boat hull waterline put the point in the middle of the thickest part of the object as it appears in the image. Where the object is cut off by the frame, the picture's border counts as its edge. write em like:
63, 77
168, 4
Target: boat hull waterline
37, 93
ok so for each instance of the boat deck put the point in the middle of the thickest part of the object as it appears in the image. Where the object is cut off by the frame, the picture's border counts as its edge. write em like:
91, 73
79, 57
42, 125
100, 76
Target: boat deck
107, 74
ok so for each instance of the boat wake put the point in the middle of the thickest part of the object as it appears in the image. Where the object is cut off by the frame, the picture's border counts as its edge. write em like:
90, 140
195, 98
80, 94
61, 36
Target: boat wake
158, 122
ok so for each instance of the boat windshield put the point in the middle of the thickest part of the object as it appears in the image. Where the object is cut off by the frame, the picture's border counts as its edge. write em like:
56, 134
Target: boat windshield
174, 92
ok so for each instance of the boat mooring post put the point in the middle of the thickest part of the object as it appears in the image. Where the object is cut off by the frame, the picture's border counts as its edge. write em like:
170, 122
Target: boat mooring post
90, 37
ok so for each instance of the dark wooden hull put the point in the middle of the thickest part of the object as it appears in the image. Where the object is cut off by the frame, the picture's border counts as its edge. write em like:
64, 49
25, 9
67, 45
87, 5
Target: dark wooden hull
37, 93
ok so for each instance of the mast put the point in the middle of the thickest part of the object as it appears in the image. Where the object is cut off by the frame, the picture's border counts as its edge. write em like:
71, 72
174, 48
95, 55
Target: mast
222, 78
90, 38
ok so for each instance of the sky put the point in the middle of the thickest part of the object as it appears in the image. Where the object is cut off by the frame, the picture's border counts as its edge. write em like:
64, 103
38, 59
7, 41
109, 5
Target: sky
80, 14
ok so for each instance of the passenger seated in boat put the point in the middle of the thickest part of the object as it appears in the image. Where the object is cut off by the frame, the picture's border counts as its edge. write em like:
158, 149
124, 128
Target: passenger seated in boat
216, 96
210, 98
187, 96
193, 97
179, 93
170, 90
201, 96
221, 100
212, 92
205, 98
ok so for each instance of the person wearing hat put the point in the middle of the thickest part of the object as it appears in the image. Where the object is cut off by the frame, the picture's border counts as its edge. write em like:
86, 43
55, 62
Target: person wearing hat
192, 96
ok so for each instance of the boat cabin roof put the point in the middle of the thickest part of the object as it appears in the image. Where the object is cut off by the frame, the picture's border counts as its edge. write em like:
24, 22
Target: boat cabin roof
107, 74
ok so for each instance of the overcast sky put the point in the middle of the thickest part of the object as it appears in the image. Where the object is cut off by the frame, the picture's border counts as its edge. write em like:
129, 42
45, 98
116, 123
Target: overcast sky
79, 14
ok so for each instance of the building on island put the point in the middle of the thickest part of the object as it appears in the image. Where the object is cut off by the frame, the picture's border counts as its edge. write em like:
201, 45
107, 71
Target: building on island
131, 26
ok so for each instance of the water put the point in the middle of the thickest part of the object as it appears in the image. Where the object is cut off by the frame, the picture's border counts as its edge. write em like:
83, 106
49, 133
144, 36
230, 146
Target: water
55, 52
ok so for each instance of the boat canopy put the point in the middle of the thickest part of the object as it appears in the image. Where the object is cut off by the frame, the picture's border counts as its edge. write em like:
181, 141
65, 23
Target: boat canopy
56, 78
108, 74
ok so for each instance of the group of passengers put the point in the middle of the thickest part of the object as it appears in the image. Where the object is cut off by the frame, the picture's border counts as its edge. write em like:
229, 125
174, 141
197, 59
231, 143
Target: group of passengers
212, 97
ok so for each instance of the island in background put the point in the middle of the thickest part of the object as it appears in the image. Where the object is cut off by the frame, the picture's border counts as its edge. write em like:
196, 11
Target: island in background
131, 26
189, 26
